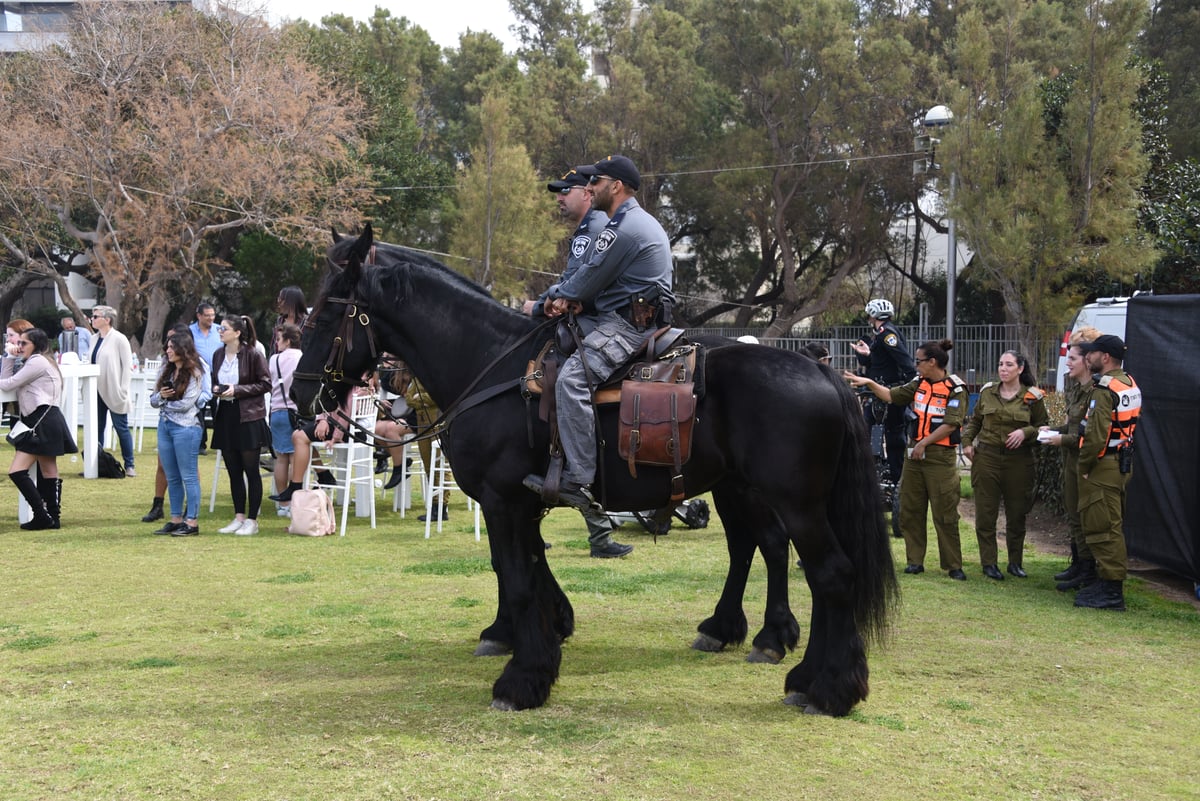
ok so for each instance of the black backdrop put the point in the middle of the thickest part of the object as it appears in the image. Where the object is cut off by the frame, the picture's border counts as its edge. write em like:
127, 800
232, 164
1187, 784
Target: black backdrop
1162, 519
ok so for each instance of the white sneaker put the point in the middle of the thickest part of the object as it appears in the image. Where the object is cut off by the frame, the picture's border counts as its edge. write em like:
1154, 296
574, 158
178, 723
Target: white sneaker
130, 472
231, 528
247, 528
284, 511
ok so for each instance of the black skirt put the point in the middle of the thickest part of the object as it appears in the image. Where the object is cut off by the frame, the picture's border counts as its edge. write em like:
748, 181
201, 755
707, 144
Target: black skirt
231, 434
53, 436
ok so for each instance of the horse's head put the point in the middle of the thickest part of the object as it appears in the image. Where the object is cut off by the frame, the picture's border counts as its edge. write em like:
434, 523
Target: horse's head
338, 344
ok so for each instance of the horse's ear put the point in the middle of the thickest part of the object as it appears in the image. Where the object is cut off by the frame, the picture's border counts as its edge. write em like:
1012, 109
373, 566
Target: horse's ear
359, 253
336, 236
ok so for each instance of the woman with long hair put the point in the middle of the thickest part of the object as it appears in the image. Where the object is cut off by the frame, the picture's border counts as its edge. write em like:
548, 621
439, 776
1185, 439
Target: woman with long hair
292, 309
998, 439
240, 382
1076, 393
281, 366
179, 388
938, 402
38, 384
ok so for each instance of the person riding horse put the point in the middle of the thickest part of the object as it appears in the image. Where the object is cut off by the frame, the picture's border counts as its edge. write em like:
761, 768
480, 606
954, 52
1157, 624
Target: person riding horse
629, 273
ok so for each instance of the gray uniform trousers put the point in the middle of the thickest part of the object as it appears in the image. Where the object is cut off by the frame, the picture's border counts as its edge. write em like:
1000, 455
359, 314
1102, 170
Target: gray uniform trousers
609, 344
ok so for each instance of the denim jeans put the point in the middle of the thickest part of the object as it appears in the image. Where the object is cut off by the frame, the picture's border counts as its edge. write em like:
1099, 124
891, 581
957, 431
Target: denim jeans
179, 450
120, 426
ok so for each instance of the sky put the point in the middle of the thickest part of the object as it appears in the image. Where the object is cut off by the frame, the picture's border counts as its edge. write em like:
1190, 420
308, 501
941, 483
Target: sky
444, 20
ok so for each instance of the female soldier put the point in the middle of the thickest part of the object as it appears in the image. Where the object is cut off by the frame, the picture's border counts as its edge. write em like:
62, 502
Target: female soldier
938, 401
999, 439
1082, 570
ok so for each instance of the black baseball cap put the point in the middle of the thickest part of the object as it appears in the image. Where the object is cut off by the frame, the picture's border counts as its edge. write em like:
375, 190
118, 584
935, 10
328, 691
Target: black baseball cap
619, 167
1112, 345
573, 177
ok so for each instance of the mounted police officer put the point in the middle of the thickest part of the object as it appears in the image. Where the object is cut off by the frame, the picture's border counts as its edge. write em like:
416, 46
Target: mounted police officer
574, 198
621, 292
1105, 462
887, 361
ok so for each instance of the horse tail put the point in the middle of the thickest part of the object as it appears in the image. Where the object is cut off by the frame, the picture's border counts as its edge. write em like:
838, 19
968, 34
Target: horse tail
856, 513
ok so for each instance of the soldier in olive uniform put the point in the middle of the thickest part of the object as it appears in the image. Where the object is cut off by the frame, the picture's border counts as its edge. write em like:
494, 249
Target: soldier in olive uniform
999, 440
930, 479
1078, 389
1105, 454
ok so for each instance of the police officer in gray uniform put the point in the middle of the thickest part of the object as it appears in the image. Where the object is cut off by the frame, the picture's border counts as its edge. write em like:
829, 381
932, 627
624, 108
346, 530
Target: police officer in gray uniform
575, 205
631, 260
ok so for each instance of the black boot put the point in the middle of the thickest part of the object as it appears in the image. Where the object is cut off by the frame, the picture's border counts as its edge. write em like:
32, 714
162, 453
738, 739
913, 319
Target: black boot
286, 495
1073, 568
397, 477
1103, 594
51, 491
1085, 577
155, 513
41, 519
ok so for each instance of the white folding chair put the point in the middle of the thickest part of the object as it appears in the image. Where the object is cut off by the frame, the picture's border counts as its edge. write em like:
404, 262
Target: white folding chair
441, 480
143, 412
402, 493
352, 464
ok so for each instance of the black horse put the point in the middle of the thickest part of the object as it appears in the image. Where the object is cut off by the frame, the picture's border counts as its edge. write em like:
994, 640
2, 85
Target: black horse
779, 441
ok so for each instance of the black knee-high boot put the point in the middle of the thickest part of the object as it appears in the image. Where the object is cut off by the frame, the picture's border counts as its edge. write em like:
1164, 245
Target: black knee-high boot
51, 491
41, 519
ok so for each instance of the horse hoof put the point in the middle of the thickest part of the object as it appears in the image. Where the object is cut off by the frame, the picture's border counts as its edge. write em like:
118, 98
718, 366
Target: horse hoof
492, 648
503, 705
762, 656
708, 644
796, 699
813, 709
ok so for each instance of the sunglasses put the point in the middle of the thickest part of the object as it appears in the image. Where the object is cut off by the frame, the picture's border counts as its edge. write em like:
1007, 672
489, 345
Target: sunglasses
566, 190
595, 179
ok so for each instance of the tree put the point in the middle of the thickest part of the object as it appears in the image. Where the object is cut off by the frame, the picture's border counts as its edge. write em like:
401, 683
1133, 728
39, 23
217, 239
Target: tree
150, 134
1173, 38
505, 226
1047, 147
815, 95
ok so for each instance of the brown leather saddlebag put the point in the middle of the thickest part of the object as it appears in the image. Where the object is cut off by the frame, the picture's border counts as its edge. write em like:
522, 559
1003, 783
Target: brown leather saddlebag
656, 423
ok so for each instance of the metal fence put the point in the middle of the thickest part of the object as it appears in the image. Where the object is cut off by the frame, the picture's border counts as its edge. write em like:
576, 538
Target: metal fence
976, 353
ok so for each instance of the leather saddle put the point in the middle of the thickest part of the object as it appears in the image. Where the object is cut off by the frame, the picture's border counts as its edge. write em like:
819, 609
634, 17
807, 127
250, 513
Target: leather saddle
656, 390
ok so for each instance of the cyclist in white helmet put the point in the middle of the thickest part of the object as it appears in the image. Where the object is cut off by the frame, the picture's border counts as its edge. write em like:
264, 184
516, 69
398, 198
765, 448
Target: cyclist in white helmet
885, 356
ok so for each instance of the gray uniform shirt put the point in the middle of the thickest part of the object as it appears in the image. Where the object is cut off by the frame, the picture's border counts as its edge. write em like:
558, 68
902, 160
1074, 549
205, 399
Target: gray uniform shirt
631, 255
583, 241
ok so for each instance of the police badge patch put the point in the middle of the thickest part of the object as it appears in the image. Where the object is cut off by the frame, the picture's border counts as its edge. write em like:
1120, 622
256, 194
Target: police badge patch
605, 240
579, 246
891, 340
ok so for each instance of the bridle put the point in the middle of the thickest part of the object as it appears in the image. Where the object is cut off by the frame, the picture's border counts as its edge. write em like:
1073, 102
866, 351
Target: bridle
343, 342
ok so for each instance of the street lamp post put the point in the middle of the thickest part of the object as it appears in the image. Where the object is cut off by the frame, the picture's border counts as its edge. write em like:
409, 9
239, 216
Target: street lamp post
936, 118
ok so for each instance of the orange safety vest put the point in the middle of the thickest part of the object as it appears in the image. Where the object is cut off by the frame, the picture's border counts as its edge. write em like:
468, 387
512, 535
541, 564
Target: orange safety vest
1127, 406
930, 407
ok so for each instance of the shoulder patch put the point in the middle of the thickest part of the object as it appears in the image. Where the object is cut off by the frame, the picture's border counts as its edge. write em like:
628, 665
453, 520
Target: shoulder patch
605, 240
988, 385
579, 245
955, 381
891, 340
1036, 393
953, 403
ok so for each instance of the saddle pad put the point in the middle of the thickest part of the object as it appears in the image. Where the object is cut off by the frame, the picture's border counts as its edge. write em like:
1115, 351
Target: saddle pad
535, 372
656, 423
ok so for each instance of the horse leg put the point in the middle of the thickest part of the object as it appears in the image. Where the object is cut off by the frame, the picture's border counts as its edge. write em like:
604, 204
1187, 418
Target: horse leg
832, 676
535, 606
749, 524
496, 639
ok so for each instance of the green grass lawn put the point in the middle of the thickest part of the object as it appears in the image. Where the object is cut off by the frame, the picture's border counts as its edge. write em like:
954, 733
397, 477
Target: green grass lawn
278, 667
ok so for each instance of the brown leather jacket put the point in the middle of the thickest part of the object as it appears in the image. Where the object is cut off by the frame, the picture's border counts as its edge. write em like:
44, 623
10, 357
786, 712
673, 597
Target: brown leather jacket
254, 382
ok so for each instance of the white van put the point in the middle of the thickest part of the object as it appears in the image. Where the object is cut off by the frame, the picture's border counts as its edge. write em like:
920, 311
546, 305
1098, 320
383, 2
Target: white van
1106, 315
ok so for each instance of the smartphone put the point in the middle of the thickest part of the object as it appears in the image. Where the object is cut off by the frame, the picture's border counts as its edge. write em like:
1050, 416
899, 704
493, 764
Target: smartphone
221, 388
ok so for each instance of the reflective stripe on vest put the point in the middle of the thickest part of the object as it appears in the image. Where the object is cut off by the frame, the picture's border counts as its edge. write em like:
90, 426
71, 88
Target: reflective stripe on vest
1127, 405
930, 407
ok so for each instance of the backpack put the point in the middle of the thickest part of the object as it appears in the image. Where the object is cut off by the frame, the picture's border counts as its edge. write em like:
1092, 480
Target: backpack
312, 513
107, 466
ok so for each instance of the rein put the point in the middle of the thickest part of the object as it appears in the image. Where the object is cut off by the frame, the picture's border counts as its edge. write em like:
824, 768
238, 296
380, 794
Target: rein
468, 399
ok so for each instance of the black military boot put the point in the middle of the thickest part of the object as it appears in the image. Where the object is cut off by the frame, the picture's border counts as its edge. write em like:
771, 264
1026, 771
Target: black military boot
41, 520
1072, 568
1085, 577
51, 491
155, 513
1103, 594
